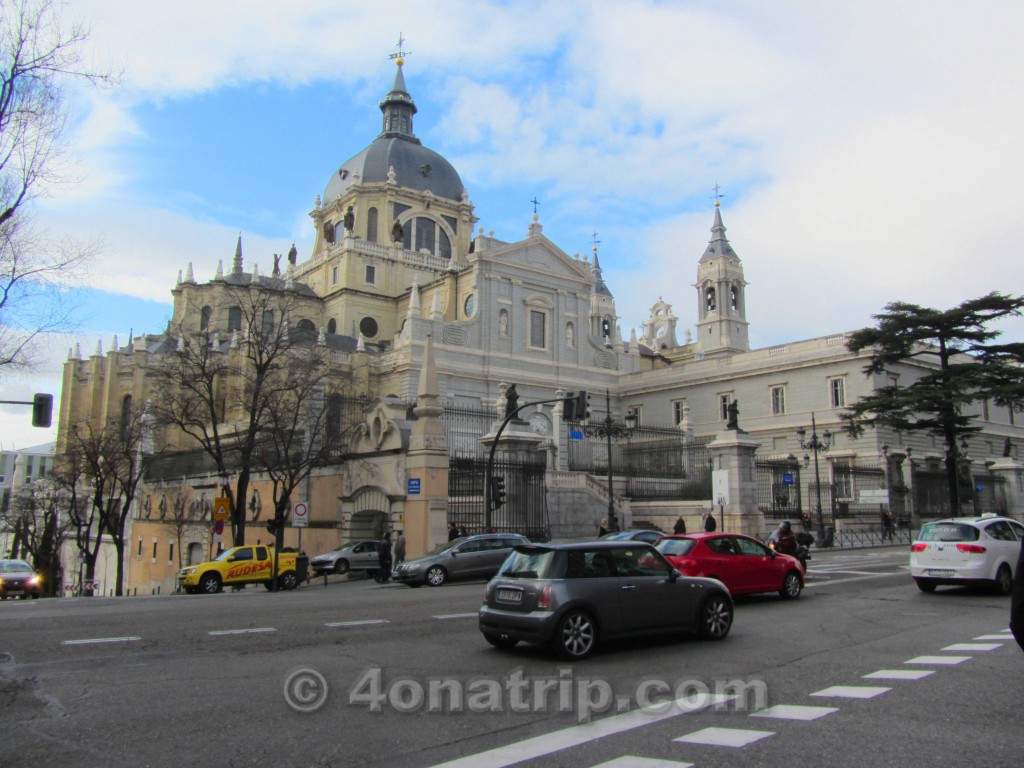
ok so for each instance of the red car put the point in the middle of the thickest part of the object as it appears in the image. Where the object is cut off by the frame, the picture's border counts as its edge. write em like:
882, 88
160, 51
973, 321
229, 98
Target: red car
742, 563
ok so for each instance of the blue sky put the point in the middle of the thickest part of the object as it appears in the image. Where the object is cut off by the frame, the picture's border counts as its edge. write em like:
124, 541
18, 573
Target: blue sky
867, 152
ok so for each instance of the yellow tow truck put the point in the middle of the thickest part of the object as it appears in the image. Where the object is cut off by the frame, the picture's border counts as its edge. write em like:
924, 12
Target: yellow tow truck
250, 564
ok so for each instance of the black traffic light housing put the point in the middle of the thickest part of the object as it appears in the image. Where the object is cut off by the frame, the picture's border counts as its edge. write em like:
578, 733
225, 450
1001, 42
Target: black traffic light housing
576, 406
497, 491
272, 526
42, 410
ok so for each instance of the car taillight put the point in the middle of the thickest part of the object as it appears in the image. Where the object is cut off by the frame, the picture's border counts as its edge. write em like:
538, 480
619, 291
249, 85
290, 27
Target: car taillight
544, 601
918, 547
971, 549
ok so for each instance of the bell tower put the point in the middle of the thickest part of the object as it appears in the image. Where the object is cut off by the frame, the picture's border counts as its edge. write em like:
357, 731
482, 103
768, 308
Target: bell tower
721, 295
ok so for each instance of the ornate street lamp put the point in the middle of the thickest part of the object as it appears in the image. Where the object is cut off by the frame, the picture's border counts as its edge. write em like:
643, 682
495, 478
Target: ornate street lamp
816, 445
608, 429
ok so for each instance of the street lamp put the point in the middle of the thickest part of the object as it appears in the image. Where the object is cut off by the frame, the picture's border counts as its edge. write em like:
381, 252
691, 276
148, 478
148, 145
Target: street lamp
608, 430
816, 445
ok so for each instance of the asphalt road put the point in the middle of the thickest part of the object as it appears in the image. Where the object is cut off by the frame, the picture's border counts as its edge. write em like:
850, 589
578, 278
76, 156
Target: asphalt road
400, 677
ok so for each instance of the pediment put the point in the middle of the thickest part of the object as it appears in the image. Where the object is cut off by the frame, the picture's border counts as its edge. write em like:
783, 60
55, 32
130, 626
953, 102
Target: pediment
538, 254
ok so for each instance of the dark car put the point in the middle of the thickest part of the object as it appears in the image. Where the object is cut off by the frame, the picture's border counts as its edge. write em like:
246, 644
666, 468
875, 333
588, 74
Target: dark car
469, 557
636, 534
571, 596
354, 556
17, 579
742, 563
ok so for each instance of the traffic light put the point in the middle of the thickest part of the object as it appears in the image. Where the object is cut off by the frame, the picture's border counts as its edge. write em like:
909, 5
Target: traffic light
576, 406
42, 410
497, 491
272, 525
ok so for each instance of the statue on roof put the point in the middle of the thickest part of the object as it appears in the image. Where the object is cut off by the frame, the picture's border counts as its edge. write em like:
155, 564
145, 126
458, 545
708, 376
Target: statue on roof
350, 220
397, 232
293, 254
277, 265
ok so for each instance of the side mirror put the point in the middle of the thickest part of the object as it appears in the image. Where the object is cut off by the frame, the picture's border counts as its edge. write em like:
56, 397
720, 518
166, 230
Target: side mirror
673, 575
772, 553
453, 553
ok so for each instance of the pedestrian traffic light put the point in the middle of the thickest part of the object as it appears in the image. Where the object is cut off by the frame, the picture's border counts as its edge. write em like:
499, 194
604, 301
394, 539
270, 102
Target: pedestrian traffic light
497, 491
576, 406
42, 410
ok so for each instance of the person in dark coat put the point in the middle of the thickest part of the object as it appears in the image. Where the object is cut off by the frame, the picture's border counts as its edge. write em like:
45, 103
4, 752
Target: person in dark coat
680, 526
1017, 601
384, 559
709, 522
453, 532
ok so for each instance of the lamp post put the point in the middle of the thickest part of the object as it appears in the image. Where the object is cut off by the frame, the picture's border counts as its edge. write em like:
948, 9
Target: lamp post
608, 429
816, 445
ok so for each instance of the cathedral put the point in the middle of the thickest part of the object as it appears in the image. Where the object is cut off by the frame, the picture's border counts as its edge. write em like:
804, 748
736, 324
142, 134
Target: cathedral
427, 322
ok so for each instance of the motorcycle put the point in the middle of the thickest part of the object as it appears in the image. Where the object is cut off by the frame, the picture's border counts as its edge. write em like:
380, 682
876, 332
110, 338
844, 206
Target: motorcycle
803, 547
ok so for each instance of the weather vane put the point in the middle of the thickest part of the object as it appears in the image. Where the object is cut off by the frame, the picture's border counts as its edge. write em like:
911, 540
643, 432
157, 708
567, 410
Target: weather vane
594, 239
717, 196
535, 202
400, 54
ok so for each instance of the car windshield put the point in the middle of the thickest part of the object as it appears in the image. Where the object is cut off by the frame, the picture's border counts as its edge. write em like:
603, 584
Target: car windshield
444, 547
15, 566
224, 555
618, 535
675, 547
527, 564
948, 532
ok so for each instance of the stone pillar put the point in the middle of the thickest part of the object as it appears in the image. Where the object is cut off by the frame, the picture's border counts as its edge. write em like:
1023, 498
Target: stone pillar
734, 482
1012, 472
426, 511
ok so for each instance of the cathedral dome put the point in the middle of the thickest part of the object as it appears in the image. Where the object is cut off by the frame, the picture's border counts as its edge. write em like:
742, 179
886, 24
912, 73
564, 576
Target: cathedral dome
397, 147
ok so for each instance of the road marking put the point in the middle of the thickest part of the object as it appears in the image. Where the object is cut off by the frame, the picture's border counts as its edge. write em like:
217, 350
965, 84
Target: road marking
847, 581
724, 737
900, 674
992, 637
852, 691
949, 660
539, 746
631, 761
251, 631
130, 639
362, 623
973, 647
795, 712
458, 615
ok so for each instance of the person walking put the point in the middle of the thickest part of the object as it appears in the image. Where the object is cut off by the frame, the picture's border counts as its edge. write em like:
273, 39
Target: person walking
887, 525
453, 532
680, 526
709, 522
400, 548
384, 559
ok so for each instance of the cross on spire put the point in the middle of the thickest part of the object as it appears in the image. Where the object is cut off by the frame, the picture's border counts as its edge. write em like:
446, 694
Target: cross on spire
400, 54
718, 195
535, 202
594, 240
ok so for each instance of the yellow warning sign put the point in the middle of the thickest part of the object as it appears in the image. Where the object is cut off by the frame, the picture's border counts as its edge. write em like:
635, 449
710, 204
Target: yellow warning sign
221, 508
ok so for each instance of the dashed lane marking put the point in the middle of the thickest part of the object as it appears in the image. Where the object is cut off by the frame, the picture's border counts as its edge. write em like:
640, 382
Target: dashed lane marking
458, 615
947, 660
361, 623
899, 674
795, 712
724, 737
631, 761
992, 637
973, 647
250, 631
852, 691
87, 641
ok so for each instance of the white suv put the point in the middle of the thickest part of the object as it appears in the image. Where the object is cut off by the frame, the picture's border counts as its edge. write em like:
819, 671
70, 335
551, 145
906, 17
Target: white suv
967, 550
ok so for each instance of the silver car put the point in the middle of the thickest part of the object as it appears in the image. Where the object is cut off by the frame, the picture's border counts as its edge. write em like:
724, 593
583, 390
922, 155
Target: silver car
470, 557
354, 556
570, 596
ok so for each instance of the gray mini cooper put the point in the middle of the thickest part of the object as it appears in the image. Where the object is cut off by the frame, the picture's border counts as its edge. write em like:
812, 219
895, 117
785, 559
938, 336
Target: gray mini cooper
571, 595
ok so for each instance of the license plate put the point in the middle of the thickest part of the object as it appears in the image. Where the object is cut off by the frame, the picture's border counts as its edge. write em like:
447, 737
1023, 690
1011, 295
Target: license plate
939, 574
510, 595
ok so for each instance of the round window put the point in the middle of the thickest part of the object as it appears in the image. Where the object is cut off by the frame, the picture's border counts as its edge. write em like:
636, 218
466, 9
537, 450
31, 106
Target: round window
368, 327
468, 307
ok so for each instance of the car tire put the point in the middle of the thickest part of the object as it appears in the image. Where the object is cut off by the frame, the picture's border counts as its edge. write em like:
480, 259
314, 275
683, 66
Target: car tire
436, 575
288, 580
341, 567
791, 586
715, 618
209, 583
925, 585
1004, 580
501, 642
575, 636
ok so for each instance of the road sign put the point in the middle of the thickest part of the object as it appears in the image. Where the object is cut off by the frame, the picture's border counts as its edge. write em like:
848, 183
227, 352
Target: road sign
300, 514
414, 486
221, 508
876, 496
787, 478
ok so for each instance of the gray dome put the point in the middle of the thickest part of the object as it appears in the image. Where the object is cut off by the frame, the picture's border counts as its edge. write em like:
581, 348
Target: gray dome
416, 167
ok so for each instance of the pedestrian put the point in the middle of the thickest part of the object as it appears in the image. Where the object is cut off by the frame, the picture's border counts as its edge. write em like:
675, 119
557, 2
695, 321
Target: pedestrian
783, 539
453, 532
680, 526
384, 559
1017, 601
887, 525
602, 529
400, 548
709, 522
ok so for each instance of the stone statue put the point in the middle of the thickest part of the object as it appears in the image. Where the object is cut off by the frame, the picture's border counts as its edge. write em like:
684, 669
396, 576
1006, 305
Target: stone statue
328, 232
350, 220
511, 400
503, 323
569, 336
277, 265
397, 232
734, 413
293, 255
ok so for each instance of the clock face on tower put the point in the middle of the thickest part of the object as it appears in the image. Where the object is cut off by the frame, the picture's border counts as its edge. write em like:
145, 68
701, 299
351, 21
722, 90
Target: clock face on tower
539, 422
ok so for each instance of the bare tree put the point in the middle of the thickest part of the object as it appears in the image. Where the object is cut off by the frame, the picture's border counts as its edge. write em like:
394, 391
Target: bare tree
40, 526
39, 52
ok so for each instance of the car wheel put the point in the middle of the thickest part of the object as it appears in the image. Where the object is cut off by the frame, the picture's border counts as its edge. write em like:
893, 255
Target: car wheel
436, 576
501, 641
791, 586
576, 635
1004, 580
288, 580
209, 583
715, 618
341, 567
925, 585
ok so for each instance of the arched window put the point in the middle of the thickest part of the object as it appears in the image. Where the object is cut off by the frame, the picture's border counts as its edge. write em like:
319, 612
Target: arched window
307, 325
371, 226
606, 328
709, 299
204, 318
268, 321
734, 298
235, 319
332, 326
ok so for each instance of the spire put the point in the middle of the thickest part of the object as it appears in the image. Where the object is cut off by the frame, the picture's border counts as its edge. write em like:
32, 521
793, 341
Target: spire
719, 244
398, 108
236, 265
599, 286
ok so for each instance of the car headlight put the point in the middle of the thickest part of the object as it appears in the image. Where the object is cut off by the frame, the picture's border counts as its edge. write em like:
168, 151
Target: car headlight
35, 581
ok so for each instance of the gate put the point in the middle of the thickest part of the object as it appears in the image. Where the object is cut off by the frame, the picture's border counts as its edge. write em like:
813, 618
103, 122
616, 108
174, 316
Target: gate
778, 488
